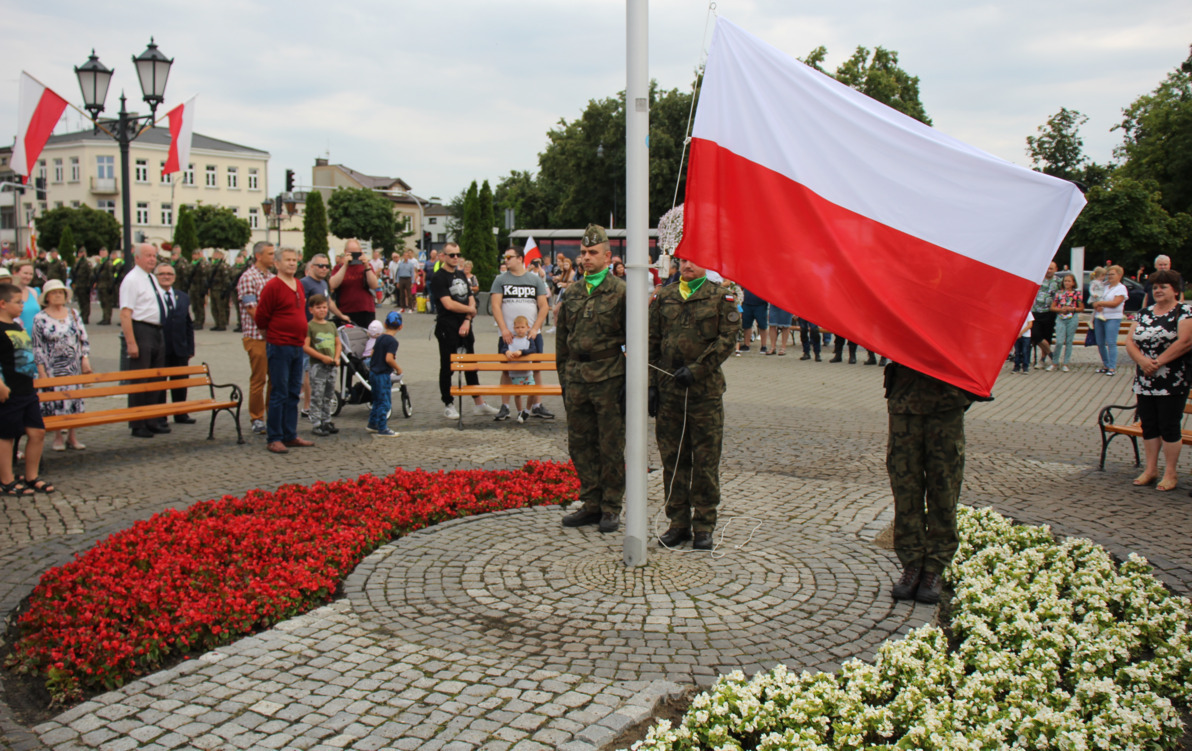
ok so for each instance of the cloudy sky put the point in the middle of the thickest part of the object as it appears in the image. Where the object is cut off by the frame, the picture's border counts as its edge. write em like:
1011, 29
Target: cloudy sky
441, 93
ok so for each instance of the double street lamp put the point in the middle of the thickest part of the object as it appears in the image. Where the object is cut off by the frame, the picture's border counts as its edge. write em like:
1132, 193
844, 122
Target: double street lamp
153, 68
273, 209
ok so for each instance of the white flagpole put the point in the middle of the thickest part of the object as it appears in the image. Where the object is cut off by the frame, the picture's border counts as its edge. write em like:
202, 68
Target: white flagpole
637, 257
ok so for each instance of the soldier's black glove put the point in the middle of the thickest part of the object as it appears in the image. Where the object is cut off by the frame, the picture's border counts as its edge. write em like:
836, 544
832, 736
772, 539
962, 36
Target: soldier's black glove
652, 401
684, 377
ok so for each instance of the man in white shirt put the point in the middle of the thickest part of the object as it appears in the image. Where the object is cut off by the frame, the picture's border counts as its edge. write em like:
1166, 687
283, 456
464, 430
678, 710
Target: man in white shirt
142, 311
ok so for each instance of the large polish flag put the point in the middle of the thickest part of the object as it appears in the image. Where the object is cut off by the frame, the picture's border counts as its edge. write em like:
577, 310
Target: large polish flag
863, 220
182, 128
38, 111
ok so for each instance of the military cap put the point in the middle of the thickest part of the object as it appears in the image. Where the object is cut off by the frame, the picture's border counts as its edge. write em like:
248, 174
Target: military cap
594, 235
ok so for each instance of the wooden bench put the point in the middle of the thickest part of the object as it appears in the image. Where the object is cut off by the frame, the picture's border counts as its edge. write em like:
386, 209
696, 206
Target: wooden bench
1111, 429
496, 363
124, 382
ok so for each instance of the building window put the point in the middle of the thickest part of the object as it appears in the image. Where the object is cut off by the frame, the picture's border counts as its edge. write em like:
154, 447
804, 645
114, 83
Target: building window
433, 220
74, 204
165, 179
142, 212
141, 173
211, 176
58, 204
235, 211
233, 178
108, 206
74, 169
167, 214
188, 176
254, 216
57, 170
105, 167
442, 237
41, 169
253, 179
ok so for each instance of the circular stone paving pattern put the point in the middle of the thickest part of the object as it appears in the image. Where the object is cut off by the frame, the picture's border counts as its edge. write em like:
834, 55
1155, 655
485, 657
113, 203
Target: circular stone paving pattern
519, 582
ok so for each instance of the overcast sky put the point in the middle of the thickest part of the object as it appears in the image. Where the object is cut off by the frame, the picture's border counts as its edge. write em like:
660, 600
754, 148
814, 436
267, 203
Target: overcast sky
441, 93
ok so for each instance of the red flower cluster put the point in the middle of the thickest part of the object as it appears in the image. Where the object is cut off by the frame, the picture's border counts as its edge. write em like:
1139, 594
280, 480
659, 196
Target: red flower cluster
191, 580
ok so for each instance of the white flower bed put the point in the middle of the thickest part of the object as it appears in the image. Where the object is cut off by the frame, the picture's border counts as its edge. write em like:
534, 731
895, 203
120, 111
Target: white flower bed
1055, 648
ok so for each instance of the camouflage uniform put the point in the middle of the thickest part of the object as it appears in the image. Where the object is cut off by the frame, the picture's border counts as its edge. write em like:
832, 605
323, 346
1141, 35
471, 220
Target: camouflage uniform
80, 286
107, 287
700, 333
181, 275
925, 461
237, 270
589, 336
56, 269
221, 286
198, 291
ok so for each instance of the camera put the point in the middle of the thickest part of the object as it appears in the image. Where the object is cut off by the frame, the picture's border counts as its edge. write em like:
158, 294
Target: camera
355, 259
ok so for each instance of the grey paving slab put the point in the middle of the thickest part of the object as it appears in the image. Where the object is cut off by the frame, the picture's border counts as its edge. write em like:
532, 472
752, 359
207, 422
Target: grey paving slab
507, 631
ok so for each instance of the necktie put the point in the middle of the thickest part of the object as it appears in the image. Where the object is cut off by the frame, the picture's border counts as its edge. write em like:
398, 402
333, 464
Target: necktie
161, 309
170, 302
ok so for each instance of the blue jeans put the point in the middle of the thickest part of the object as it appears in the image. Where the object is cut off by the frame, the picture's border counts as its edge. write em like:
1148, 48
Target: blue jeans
285, 382
1107, 333
382, 397
1065, 333
1022, 353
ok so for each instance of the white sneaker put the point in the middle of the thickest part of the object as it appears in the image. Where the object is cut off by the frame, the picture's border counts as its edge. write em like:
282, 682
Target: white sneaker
523, 416
483, 409
451, 413
1050, 367
1064, 369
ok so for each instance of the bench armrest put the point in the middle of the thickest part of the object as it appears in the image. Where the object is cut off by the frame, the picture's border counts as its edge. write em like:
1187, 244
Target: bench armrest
1106, 416
235, 394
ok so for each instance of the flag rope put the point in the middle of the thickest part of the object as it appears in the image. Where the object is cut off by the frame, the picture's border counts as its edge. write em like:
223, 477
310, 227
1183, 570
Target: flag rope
703, 59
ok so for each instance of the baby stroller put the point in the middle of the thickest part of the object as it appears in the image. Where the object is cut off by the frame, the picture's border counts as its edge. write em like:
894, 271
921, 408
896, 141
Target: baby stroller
354, 386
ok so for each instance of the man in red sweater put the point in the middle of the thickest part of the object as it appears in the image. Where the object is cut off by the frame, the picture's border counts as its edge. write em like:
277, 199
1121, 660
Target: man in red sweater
281, 316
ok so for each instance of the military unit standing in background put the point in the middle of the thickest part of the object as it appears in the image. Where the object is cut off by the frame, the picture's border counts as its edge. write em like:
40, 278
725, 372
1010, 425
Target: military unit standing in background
81, 279
925, 461
55, 267
108, 284
220, 290
181, 272
590, 361
237, 270
693, 330
199, 273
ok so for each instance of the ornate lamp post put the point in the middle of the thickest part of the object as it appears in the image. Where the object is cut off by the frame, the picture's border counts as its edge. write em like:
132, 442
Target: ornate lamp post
153, 68
273, 209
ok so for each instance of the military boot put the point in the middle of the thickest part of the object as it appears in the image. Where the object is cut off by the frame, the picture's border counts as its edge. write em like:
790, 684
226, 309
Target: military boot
908, 585
674, 537
930, 587
702, 541
581, 518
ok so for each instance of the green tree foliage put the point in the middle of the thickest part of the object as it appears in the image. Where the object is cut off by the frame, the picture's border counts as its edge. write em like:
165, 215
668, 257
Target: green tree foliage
67, 245
314, 226
91, 227
1157, 145
1058, 150
364, 215
186, 237
878, 76
484, 262
519, 191
471, 241
1125, 221
218, 227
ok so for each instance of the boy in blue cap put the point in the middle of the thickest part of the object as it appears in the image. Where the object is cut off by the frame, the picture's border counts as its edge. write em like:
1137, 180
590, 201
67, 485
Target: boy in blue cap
380, 367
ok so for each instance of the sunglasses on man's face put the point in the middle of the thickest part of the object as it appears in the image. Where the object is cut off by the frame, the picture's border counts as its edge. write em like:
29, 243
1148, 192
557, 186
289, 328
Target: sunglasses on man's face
321, 265
452, 255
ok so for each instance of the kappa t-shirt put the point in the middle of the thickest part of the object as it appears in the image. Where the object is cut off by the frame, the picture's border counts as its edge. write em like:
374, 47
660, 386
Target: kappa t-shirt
16, 359
519, 296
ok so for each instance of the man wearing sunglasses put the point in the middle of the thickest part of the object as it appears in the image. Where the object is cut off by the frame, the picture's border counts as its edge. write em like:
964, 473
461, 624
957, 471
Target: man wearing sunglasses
315, 283
453, 327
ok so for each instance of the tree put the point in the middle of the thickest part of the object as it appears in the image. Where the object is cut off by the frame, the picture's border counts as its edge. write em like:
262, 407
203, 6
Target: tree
1157, 132
878, 77
470, 241
519, 191
1058, 150
1126, 221
67, 245
484, 262
186, 237
218, 227
363, 214
314, 226
91, 227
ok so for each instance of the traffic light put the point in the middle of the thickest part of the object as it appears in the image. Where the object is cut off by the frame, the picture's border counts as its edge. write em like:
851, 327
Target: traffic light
289, 181
425, 241
40, 184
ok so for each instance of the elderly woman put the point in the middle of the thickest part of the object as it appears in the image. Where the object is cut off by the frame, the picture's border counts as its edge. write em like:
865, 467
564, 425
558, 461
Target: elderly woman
1157, 343
22, 276
60, 348
1107, 319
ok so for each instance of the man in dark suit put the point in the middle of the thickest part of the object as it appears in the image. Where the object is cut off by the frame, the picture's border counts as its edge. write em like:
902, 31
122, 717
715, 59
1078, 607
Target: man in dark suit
178, 331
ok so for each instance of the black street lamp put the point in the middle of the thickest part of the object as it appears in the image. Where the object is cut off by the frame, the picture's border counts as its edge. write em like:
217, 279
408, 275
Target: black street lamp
273, 208
153, 68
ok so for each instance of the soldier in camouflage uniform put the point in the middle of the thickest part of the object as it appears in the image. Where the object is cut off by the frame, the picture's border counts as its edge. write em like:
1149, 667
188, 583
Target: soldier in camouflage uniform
81, 277
220, 288
589, 342
693, 330
199, 278
106, 285
56, 267
181, 272
237, 270
925, 462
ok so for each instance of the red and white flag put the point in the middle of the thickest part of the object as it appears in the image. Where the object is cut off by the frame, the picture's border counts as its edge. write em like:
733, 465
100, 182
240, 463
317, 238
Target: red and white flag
871, 224
182, 128
531, 251
38, 111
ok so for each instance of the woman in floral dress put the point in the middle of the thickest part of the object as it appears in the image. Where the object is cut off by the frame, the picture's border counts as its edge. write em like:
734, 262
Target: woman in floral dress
1158, 343
60, 348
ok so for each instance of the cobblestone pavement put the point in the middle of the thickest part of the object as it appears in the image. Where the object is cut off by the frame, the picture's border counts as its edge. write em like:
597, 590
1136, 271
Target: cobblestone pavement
507, 631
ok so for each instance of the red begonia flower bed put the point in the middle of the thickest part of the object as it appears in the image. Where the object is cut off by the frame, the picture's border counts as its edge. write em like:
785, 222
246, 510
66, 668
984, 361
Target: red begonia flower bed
187, 581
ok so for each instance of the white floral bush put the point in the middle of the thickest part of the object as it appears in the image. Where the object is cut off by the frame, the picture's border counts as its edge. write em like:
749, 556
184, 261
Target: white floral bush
1055, 647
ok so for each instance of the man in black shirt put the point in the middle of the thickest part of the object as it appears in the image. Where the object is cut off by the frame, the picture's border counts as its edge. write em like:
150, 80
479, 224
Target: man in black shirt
453, 327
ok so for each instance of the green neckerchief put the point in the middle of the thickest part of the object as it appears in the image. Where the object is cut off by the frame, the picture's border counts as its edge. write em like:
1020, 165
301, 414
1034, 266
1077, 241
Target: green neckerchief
687, 288
593, 280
